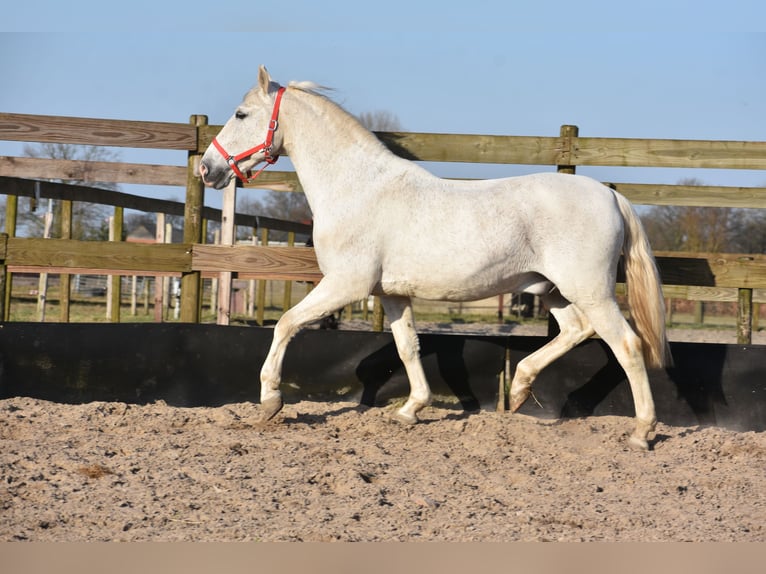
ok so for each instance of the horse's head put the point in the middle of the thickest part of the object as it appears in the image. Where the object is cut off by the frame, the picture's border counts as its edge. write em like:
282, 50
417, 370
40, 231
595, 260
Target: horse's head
248, 138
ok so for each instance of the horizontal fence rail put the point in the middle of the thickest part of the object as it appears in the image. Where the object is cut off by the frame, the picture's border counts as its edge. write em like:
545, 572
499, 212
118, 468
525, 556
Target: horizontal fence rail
740, 277
87, 131
112, 257
567, 150
112, 172
300, 264
43, 189
530, 150
93, 171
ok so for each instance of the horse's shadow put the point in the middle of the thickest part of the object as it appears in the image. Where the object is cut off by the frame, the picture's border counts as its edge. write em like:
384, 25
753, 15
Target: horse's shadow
588, 383
582, 402
693, 381
378, 368
322, 418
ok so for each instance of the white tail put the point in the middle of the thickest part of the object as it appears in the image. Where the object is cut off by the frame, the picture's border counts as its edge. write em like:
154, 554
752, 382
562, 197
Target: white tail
642, 281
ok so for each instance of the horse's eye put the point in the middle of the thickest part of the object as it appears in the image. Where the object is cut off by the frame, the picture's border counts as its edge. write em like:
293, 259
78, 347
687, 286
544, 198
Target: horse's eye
240, 115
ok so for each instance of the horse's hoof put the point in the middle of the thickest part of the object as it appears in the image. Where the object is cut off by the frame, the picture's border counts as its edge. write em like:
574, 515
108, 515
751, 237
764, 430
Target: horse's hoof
644, 430
404, 418
519, 399
270, 407
637, 443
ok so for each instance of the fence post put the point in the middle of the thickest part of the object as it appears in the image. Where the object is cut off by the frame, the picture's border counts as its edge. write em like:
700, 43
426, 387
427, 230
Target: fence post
215, 281
201, 299
566, 132
191, 282
167, 280
260, 309
65, 279
11, 215
744, 316
159, 280
377, 314
115, 281
228, 236
42, 285
3, 273
287, 293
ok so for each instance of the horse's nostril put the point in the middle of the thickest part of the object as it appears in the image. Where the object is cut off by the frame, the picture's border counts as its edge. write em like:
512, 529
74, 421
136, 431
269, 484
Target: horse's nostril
202, 169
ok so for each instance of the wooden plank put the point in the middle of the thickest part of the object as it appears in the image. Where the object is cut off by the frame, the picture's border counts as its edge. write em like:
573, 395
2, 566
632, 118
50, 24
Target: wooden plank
89, 131
13, 186
125, 257
639, 193
711, 294
275, 181
53, 270
669, 153
538, 150
92, 171
27, 188
692, 195
712, 270
258, 262
475, 148
299, 263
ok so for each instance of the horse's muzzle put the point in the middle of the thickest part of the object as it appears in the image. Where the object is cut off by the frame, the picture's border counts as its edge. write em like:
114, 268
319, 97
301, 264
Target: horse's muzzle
208, 179
203, 171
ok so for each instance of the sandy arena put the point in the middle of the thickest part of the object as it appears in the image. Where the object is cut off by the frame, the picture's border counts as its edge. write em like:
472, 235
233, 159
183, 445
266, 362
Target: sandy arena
338, 471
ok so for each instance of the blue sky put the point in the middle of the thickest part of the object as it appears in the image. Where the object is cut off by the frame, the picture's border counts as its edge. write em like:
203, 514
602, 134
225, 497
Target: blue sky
687, 70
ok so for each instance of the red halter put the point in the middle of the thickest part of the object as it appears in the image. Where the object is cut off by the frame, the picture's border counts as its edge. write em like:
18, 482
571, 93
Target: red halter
265, 147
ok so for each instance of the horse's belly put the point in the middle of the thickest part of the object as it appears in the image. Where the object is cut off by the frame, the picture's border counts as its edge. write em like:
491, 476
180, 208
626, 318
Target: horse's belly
462, 288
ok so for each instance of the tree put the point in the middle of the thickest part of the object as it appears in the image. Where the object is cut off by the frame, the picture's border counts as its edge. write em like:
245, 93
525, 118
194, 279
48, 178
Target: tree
380, 121
89, 221
748, 233
686, 228
286, 205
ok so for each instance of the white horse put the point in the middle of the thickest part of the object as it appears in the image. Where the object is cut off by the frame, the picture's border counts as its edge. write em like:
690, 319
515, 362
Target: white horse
385, 226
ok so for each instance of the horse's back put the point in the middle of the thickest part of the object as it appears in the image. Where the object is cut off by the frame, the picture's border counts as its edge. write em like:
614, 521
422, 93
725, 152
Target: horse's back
547, 209
485, 237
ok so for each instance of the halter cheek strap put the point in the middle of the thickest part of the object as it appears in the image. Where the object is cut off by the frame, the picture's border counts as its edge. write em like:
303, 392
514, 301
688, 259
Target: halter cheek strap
264, 147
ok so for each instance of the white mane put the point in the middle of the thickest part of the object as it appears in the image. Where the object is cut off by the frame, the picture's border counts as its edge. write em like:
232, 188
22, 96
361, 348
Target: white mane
310, 87
350, 122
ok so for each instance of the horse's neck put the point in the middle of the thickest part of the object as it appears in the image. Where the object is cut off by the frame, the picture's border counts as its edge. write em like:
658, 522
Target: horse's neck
334, 157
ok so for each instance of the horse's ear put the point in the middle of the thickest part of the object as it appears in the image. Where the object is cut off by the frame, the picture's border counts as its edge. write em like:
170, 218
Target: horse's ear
264, 79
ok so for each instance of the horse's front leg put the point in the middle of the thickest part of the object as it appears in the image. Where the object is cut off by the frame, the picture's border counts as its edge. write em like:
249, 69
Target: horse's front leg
327, 297
399, 311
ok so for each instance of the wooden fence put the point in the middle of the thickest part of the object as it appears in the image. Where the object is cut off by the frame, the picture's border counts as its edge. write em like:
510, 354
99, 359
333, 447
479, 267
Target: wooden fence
740, 277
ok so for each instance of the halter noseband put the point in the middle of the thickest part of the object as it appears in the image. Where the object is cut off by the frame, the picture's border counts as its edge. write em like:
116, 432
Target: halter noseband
265, 147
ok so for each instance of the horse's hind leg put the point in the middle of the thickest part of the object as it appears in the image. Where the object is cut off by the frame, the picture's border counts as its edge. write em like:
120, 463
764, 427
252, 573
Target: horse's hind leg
573, 329
328, 296
612, 327
399, 311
